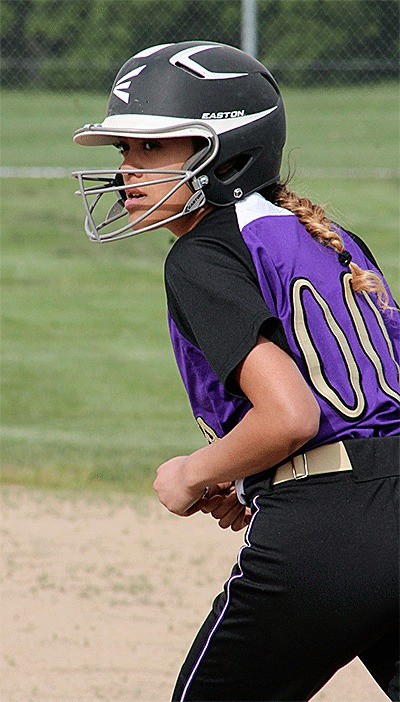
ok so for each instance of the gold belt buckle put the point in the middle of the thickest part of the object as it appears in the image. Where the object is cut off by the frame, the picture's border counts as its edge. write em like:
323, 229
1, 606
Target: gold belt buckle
296, 475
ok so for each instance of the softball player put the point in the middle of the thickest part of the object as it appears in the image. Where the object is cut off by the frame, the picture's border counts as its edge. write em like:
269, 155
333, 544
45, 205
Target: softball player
285, 332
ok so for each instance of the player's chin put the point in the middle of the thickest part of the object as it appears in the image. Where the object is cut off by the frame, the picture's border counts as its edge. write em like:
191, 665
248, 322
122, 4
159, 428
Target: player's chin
144, 221
154, 219
146, 224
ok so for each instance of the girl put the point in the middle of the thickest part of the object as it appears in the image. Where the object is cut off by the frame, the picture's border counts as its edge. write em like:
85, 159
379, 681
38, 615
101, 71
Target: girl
284, 332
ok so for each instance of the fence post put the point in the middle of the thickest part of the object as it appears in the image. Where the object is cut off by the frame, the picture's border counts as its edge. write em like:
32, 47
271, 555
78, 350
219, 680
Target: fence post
249, 27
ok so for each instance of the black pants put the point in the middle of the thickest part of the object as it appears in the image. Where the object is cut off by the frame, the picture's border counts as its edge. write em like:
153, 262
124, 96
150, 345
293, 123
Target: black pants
316, 584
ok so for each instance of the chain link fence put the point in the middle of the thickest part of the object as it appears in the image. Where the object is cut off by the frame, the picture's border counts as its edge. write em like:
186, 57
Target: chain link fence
80, 44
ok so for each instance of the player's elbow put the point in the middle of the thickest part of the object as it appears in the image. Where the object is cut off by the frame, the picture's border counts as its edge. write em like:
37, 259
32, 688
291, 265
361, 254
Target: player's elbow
303, 426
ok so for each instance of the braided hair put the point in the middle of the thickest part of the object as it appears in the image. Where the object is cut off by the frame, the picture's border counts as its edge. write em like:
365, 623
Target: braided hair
317, 223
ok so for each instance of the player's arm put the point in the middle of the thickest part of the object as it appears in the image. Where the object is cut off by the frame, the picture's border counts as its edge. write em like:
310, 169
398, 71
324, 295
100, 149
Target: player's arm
283, 417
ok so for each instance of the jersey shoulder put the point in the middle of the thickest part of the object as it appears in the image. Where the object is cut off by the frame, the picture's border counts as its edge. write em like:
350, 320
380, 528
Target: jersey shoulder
213, 292
217, 233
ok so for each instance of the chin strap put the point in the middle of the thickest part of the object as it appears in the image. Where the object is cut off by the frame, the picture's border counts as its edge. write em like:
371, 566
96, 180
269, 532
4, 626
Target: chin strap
116, 211
119, 182
197, 200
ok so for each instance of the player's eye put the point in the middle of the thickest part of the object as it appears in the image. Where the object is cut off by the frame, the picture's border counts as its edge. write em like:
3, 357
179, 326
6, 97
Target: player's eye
151, 144
122, 146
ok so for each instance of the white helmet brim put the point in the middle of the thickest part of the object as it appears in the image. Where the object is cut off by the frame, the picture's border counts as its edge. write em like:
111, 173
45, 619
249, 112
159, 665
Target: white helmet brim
116, 127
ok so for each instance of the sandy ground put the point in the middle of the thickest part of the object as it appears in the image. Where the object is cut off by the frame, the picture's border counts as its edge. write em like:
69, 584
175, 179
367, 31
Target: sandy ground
101, 597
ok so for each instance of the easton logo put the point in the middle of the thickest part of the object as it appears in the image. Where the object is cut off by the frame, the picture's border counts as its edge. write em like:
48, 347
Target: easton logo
195, 201
222, 115
122, 85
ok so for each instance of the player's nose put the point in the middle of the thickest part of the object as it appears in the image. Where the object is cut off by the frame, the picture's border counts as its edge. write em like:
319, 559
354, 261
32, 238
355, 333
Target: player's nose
130, 172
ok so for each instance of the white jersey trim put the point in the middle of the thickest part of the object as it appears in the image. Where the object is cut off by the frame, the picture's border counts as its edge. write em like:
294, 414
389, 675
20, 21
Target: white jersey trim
255, 206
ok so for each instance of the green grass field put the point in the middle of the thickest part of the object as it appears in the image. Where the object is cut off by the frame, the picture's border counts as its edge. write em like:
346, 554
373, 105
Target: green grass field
90, 393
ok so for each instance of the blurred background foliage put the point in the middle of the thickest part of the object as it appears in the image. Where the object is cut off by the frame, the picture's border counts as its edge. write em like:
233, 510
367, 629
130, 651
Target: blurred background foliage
75, 45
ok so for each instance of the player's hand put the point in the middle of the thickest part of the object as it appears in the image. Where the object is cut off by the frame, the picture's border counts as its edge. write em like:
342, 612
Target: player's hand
222, 503
173, 490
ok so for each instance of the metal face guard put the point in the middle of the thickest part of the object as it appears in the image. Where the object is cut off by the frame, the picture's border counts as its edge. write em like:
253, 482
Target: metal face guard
117, 210
92, 195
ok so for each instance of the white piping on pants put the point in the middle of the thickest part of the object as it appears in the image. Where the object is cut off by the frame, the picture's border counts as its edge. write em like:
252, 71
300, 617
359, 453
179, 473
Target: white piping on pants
221, 616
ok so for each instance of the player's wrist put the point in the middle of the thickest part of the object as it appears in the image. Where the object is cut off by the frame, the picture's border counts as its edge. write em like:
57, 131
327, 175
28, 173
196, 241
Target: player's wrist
195, 474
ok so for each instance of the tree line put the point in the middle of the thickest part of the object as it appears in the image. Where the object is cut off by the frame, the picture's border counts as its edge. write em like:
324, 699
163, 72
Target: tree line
80, 44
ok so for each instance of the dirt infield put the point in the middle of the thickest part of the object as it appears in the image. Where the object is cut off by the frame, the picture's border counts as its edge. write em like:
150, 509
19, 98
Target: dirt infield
101, 597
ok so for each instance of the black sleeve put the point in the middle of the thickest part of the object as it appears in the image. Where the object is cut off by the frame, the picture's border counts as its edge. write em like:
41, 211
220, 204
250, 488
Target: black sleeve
215, 300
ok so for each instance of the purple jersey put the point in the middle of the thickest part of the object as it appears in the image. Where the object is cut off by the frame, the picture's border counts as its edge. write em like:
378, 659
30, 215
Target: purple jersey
253, 269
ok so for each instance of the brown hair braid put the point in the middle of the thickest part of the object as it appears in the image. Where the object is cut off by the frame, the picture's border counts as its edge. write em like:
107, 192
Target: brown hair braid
321, 228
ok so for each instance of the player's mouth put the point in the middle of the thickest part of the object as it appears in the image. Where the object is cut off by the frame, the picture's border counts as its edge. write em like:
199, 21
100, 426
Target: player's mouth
133, 199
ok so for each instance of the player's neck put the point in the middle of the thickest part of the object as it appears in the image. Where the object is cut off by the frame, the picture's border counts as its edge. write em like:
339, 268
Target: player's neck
185, 224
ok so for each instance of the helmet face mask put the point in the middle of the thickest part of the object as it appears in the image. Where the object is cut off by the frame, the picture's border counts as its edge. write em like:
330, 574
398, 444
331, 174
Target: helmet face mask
110, 183
221, 97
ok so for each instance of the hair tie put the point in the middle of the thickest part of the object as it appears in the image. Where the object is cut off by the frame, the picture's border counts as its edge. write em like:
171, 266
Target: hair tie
344, 257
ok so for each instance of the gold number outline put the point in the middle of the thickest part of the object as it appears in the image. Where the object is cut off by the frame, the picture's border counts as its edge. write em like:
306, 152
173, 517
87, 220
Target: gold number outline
365, 338
313, 361
312, 358
207, 431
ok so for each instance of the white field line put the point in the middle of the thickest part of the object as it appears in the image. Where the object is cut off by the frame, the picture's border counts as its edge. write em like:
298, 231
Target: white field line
34, 172
352, 173
35, 435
